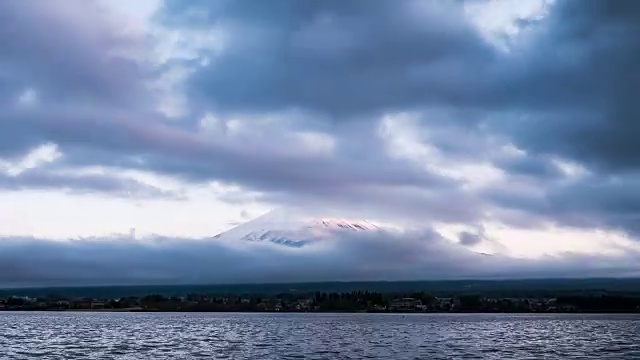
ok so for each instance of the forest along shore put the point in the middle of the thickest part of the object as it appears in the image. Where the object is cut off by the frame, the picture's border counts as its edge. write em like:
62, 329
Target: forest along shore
354, 301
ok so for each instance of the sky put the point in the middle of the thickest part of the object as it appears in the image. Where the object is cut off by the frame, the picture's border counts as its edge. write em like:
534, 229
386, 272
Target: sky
506, 127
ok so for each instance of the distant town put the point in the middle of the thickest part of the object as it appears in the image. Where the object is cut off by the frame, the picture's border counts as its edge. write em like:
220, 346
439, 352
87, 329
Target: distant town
354, 301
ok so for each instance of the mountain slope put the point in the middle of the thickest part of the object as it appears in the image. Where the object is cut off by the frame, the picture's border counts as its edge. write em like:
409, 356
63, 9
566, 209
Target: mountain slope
289, 229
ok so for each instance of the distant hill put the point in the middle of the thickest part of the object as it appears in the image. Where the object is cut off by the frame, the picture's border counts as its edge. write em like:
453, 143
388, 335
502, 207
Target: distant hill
531, 287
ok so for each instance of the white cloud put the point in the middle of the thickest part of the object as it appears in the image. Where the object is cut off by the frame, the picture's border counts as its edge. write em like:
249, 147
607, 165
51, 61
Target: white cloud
571, 169
29, 97
213, 125
497, 20
41, 155
52, 213
406, 138
315, 142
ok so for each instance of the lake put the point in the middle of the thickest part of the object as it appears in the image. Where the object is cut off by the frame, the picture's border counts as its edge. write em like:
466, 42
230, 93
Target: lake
69, 335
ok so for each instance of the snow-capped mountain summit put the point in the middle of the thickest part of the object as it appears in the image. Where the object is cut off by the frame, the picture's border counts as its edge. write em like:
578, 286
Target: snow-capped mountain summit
291, 229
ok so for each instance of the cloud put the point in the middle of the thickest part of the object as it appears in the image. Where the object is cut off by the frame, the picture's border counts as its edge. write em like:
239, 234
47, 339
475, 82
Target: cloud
249, 159
39, 169
347, 256
74, 58
103, 184
398, 110
575, 94
68, 53
469, 239
334, 57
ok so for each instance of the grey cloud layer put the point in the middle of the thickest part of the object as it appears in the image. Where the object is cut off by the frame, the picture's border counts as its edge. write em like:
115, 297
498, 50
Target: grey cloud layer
564, 91
68, 52
376, 256
84, 183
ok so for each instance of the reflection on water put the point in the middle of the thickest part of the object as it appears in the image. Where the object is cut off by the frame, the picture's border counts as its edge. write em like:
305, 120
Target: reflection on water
316, 336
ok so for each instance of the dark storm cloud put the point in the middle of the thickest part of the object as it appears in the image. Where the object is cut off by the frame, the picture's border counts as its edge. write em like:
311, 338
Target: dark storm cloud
377, 256
579, 73
568, 92
339, 57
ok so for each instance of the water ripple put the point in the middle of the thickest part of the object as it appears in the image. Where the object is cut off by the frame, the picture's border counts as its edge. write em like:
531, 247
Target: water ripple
66, 335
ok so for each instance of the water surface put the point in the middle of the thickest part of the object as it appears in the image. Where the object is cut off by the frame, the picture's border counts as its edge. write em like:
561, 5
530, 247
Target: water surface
68, 335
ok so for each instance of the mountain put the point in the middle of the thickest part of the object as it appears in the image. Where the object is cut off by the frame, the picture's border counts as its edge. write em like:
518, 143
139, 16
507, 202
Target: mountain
295, 230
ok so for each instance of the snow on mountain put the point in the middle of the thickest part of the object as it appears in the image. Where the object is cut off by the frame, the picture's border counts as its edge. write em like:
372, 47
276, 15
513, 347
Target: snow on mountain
296, 230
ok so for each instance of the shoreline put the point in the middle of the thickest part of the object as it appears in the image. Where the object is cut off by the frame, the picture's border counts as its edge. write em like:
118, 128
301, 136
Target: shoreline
140, 310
